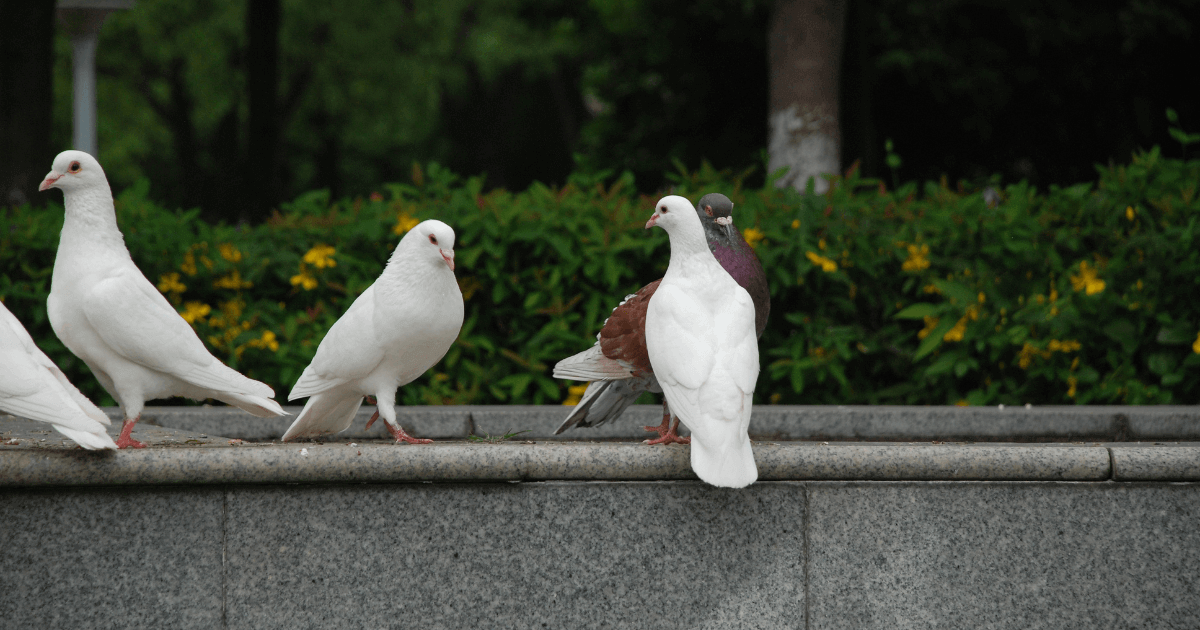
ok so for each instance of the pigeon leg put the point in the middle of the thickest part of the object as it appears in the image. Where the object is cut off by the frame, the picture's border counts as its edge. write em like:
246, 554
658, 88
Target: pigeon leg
374, 417
401, 436
667, 431
124, 440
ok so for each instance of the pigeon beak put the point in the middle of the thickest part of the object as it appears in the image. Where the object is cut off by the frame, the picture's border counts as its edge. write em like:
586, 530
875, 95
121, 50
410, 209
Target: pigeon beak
653, 221
448, 256
48, 183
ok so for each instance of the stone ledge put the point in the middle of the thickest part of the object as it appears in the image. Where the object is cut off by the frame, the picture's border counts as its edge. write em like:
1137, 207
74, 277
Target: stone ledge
769, 422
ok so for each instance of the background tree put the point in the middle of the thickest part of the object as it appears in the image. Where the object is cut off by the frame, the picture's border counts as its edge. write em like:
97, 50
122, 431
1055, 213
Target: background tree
805, 64
26, 57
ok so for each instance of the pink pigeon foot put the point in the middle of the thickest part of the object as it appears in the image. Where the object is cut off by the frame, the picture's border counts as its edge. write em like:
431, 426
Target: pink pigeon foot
124, 440
397, 432
667, 431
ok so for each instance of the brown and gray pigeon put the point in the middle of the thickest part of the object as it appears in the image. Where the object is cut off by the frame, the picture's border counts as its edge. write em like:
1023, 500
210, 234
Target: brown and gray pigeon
619, 365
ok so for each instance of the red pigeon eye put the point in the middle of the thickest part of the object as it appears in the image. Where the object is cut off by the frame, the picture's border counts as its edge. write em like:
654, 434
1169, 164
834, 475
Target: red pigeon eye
433, 239
708, 210
74, 168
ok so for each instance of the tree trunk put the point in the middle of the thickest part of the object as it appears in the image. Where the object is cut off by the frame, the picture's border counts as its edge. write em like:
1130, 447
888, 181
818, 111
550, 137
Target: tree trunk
804, 54
262, 78
26, 93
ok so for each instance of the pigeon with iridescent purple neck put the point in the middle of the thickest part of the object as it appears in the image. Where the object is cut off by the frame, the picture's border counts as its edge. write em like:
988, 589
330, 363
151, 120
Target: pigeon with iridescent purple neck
618, 365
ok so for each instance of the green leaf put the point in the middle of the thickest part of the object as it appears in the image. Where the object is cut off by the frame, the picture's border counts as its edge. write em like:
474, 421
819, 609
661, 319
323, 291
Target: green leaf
1162, 363
920, 310
957, 291
934, 339
1177, 334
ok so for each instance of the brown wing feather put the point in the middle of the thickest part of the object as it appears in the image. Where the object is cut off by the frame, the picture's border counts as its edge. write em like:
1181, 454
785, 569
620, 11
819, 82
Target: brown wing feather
623, 337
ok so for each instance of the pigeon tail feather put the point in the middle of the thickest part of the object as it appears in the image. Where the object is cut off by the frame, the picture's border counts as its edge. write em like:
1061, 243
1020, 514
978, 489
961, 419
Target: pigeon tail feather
90, 441
253, 405
329, 412
603, 401
728, 463
591, 365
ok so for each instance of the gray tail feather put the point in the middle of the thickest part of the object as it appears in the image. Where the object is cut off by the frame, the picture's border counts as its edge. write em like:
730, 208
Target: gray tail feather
603, 401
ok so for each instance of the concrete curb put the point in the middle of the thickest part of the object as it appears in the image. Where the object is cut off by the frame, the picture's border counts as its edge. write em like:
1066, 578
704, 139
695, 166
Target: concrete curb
769, 422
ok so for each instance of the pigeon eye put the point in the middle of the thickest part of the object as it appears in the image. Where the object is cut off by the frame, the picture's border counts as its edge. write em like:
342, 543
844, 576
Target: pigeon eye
74, 168
433, 239
663, 209
708, 210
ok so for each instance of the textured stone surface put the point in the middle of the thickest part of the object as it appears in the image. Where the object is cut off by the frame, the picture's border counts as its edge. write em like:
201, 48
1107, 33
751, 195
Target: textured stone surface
543, 420
424, 422
1156, 463
465, 461
777, 422
664, 555
111, 558
1003, 555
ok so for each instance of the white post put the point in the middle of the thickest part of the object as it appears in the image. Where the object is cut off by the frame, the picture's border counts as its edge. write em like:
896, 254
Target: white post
83, 52
81, 20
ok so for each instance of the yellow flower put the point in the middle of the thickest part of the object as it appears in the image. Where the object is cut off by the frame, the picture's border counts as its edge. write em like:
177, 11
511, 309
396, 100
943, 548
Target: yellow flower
189, 263
574, 393
267, 341
404, 223
930, 324
304, 279
753, 236
230, 252
195, 311
232, 281
320, 256
958, 332
1196, 344
826, 265
1087, 280
796, 224
1130, 213
917, 258
962, 403
982, 297
169, 283
821, 244
1072, 382
931, 288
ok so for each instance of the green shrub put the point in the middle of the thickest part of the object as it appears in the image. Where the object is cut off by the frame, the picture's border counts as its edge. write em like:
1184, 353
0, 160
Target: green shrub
920, 295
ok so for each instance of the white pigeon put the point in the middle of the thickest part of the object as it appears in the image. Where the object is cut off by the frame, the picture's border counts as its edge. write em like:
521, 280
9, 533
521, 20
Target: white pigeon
399, 327
701, 341
107, 313
31, 386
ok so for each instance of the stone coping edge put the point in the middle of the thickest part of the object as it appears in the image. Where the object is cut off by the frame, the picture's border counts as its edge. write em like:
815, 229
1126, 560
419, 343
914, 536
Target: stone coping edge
595, 461
768, 422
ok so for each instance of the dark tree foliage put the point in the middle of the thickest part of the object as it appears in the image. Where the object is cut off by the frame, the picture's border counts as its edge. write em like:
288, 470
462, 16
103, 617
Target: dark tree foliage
533, 90
1028, 89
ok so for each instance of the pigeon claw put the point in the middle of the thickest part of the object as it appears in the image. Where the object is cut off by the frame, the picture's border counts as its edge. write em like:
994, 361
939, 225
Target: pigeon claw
125, 440
667, 433
401, 436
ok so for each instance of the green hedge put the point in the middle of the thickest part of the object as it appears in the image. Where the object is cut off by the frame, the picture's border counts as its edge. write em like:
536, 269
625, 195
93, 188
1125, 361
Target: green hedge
925, 294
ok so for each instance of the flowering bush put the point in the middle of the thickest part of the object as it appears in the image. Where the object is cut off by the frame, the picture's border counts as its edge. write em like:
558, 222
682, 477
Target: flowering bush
926, 294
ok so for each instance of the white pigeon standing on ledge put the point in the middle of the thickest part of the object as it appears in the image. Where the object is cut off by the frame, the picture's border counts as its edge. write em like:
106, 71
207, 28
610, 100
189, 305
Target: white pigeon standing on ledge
402, 325
107, 313
31, 386
701, 341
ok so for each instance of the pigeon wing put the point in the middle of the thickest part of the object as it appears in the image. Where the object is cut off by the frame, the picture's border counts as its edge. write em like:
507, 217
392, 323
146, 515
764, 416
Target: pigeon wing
350, 350
138, 323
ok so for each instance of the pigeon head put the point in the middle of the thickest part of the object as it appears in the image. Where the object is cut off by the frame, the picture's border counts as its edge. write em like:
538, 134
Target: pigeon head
74, 170
678, 217
716, 214
434, 240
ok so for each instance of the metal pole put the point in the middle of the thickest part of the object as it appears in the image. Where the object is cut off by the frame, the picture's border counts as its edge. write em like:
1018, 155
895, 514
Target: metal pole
84, 82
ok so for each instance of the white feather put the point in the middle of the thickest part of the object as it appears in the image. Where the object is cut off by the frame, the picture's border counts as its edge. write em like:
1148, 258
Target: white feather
31, 386
701, 342
401, 326
106, 312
